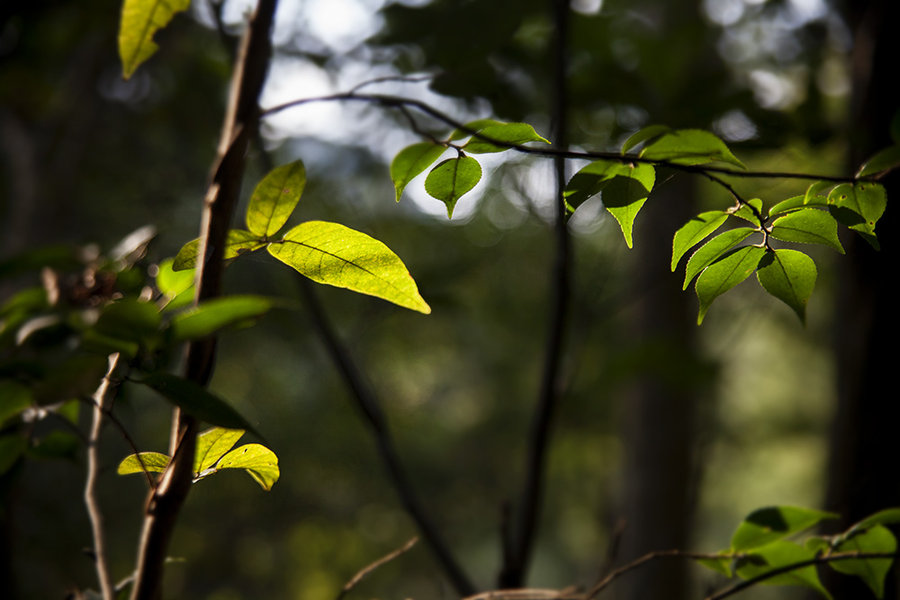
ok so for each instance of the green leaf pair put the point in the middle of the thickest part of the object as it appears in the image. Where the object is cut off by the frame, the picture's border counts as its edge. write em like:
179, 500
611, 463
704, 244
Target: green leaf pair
325, 252
214, 453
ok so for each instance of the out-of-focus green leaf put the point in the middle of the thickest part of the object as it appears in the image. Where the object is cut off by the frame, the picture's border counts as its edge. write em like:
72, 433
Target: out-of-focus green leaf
129, 319
212, 315
724, 274
77, 377
510, 133
451, 179
172, 283
719, 565
888, 516
766, 525
807, 226
56, 445
196, 401
275, 198
648, 133
336, 255
790, 276
694, 231
411, 161
12, 446
750, 211
877, 539
260, 462
778, 555
14, 398
689, 147
237, 242
859, 206
212, 444
154, 462
28, 301
141, 19
882, 162
476, 125
709, 252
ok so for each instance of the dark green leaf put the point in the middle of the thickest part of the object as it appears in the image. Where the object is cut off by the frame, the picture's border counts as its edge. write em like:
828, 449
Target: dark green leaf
154, 462
141, 19
196, 401
712, 250
772, 523
724, 274
212, 444
14, 398
694, 231
859, 206
27, 301
275, 198
689, 147
648, 133
336, 255
56, 445
260, 462
451, 179
778, 555
411, 161
807, 226
790, 276
212, 315
12, 446
129, 319
509, 133
750, 211
888, 516
878, 539
237, 243
77, 377
884, 161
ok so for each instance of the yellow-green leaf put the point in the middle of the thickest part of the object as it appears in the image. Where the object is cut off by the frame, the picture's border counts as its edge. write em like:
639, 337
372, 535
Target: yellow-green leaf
275, 198
141, 19
154, 462
212, 444
260, 462
724, 274
411, 161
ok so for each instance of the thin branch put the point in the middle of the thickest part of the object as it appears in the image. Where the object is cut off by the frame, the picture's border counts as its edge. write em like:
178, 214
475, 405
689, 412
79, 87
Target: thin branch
389, 79
528, 594
106, 388
650, 556
130, 441
366, 570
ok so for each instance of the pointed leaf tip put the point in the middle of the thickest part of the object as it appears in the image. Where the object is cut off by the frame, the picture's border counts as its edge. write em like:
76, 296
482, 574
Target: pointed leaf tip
140, 21
275, 198
451, 179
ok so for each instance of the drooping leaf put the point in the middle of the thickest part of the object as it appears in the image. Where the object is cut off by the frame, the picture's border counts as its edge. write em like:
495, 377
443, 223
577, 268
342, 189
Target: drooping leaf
766, 525
212, 315
724, 274
197, 401
237, 242
154, 462
451, 179
709, 252
623, 197
212, 445
750, 211
694, 231
510, 133
411, 161
648, 133
336, 255
781, 554
260, 462
882, 162
878, 539
141, 19
275, 198
808, 226
14, 398
689, 147
859, 206
790, 276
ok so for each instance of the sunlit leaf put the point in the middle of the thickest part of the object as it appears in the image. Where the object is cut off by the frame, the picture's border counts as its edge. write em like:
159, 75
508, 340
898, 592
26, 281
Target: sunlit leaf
196, 401
648, 133
212, 315
765, 525
336, 255
808, 226
476, 125
411, 161
878, 539
724, 274
689, 147
781, 554
451, 179
141, 19
859, 206
750, 211
709, 252
510, 133
888, 516
884, 161
260, 462
212, 444
694, 231
154, 462
796, 203
815, 191
171, 282
237, 242
275, 198
790, 276
14, 398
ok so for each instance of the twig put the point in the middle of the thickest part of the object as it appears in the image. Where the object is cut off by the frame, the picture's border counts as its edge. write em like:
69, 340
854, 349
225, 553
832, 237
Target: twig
366, 570
130, 441
95, 515
390, 78
650, 556
528, 594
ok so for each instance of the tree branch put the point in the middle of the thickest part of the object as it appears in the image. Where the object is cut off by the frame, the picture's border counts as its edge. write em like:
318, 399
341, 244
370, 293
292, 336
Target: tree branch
366, 570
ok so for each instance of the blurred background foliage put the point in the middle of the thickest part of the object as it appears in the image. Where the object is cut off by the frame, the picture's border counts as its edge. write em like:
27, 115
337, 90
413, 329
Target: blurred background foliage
87, 158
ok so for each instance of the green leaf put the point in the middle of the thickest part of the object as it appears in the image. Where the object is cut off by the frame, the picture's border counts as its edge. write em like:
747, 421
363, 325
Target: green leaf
724, 274
411, 161
872, 571
14, 398
766, 525
509, 133
451, 179
719, 565
141, 19
814, 191
623, 197
859, 206
778, 555
796, 203
30, 300
55, 445
888, 516
750, 211
689, 147
882, 162
260, 462
807, 226
275, 198
212, 315
129, 319
336, 255
650, 132
154, 462
694, 231
212, 444
237, 242
197, 401
476, 125
172, 283
790, 276
712, 250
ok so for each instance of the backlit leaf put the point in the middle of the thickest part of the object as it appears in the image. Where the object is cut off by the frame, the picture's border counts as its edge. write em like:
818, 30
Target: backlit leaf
878, 539
237, 242
888, 516
884, 161
275, 198
724, 274
750, 211
141, 19
790, 276
766, 525
796, 203
171, 282
196, 401
411, 161
212, 444
694, 231
154, 462
260, 462
815, 191
473, 126
648, 133
451, 179
689, 147
808, 226
778, 555
859, 206
709, 252
212, 315
510, 133
336, 255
